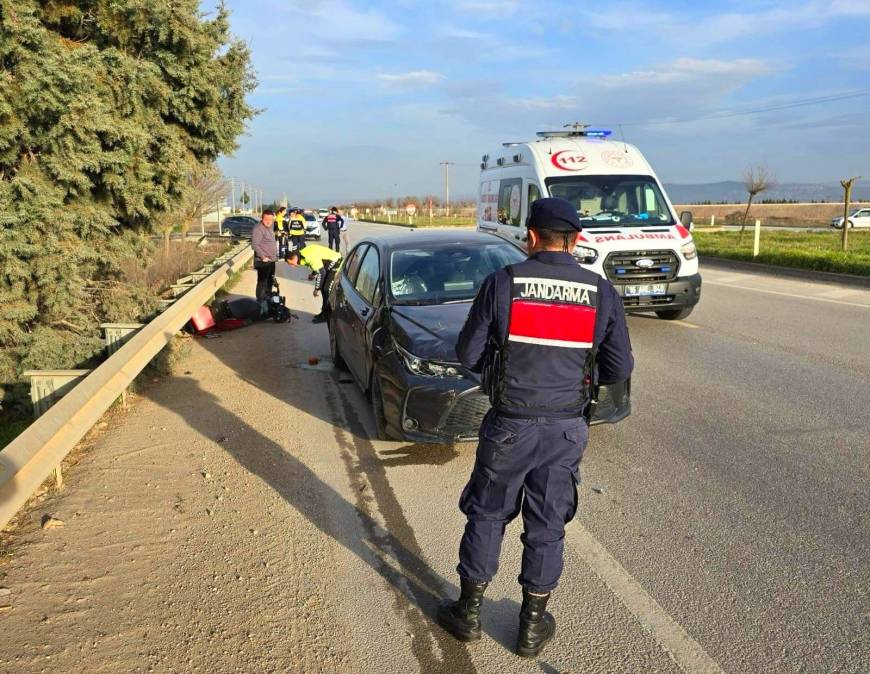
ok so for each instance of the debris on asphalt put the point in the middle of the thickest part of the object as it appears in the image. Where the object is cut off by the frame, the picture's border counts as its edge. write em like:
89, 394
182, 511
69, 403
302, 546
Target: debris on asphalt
49, 522
598, 490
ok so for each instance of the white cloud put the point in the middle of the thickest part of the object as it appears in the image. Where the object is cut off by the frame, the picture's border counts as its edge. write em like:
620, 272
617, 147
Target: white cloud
695, 30
494, 8
412, 79
685, 71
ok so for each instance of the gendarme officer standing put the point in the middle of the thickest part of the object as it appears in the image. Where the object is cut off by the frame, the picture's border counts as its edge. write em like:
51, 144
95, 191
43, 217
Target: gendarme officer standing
536, 331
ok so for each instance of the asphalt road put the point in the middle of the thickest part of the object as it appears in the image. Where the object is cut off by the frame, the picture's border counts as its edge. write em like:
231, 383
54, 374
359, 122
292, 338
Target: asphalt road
240, 518
736, 496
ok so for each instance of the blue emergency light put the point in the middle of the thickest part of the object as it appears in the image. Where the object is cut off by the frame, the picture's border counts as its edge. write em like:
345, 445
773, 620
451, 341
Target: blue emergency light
597, 133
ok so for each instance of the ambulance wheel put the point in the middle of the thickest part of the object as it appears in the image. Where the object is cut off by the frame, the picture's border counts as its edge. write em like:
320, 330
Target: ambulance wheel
674, 314
377, 400
337, 360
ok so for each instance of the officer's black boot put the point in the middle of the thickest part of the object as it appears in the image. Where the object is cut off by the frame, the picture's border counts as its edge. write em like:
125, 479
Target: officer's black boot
537, 626
462, 617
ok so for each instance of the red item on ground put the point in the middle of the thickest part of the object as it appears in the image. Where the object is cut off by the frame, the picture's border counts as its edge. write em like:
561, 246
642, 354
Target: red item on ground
232, 324
314, 360
203, 320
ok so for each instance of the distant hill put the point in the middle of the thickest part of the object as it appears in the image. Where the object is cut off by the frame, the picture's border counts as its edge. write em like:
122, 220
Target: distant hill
732, 191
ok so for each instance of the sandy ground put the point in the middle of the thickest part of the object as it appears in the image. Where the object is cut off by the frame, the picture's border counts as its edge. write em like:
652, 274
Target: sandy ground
187, 543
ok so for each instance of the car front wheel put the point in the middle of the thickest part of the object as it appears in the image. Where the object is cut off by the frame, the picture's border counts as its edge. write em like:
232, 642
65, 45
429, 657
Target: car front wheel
376, 397
334, 351
674, 314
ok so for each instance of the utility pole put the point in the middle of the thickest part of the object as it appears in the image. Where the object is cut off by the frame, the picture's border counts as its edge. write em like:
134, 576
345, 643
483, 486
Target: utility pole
447, 165
232, 195
847, 187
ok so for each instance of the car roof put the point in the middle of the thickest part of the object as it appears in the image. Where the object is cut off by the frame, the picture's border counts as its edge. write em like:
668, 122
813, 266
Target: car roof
429, 237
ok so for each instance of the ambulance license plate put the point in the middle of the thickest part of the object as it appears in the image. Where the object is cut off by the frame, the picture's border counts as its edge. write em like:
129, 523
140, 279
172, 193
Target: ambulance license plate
646, 290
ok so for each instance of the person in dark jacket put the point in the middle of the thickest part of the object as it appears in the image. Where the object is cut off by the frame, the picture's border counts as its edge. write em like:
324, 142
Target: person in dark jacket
333, 224
265, 253
536, 332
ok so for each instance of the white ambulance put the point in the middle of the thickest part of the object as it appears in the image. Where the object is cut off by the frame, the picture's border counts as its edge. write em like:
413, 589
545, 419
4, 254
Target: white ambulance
631, 234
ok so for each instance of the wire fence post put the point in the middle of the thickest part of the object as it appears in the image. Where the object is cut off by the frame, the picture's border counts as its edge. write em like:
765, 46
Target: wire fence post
757, 244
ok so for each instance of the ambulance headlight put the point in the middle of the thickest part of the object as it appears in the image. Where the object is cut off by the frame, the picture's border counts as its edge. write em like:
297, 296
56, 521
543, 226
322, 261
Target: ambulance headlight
689, 251
429, 368
585, 255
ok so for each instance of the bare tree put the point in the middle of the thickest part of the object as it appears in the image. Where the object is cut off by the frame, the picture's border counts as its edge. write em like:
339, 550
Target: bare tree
756, 179
847, 189
206, 187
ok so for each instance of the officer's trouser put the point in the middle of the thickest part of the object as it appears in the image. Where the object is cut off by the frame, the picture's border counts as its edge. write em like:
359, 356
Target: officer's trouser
529, 466
334, 236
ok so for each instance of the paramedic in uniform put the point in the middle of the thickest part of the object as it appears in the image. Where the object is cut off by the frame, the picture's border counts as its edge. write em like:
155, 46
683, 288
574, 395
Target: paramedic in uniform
535, 331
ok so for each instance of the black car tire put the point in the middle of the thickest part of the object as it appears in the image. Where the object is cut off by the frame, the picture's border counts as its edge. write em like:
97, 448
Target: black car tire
376, 397
674, 314
334, 351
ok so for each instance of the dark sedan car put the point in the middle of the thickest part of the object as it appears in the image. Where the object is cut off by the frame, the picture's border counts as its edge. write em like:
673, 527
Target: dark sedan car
397, 310
240, 226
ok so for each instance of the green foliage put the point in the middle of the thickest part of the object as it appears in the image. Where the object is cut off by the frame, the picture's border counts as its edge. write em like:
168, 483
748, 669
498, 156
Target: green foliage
106, 109
819, 251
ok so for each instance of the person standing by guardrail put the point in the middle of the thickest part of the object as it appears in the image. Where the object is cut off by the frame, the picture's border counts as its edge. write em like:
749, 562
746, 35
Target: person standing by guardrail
265, 253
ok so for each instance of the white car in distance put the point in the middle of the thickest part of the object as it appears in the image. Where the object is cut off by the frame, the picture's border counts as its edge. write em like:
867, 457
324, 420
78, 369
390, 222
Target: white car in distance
858, 218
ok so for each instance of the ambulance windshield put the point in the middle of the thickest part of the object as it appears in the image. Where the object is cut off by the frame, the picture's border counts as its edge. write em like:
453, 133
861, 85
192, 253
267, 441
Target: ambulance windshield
613, 200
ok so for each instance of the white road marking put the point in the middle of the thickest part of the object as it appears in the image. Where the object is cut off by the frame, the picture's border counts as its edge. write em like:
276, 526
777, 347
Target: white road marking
731, 278
796, 296
686, 324
685, 651
840, 293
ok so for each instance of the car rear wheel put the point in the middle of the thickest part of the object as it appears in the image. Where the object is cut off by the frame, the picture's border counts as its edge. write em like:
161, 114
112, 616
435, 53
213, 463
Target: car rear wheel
674, 314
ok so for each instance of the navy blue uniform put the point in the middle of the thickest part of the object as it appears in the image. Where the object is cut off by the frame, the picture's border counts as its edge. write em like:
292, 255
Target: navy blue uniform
532, 332
333, 224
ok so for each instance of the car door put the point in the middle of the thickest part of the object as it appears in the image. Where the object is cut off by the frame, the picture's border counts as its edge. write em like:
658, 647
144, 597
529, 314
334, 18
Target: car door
360, 312
341, 312
863, 219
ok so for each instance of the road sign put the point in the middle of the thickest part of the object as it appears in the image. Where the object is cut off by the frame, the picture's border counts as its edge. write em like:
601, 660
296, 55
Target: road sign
410, 209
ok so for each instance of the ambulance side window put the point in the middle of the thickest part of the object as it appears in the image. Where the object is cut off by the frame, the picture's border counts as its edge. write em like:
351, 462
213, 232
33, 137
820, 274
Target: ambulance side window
510, 202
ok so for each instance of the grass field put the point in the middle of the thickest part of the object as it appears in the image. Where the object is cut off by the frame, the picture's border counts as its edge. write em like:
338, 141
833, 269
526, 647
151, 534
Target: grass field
819, 251
794, 215
423, 221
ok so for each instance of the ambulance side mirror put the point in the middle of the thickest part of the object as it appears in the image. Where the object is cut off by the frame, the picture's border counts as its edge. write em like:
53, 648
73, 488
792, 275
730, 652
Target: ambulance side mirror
686, 220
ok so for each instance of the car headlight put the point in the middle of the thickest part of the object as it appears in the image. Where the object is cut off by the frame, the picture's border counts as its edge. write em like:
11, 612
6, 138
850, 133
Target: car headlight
429, 368
585, 255
689, 251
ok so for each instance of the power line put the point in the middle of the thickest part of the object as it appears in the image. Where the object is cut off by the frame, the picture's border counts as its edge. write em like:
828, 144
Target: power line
774, 107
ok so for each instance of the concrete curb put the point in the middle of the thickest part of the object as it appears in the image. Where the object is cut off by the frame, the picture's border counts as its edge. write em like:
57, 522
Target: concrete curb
775, 270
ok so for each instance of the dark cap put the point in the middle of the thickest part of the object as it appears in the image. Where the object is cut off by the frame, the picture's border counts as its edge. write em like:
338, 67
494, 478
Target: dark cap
555, 214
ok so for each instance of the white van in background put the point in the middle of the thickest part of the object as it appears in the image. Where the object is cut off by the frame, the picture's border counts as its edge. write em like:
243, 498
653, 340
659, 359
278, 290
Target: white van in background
631, 234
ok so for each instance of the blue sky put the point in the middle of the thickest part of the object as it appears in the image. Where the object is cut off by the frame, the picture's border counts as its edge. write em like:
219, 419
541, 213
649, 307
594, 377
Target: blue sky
364, 99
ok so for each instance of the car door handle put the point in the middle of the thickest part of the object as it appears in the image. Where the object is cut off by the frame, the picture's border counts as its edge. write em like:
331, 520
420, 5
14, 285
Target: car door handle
365, 311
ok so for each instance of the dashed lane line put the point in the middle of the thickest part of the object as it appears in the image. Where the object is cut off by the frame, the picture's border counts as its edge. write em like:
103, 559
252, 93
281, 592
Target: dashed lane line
689, 655
731, 278
686, 324
794, 295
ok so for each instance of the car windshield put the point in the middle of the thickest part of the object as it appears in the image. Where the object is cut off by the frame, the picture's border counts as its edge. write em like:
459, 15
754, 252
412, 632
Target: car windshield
613, 200
446, 273
309, 217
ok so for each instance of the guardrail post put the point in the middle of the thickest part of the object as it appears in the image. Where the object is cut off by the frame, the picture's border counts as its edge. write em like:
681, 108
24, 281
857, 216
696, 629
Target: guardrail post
115, 334
712, 220
46, 388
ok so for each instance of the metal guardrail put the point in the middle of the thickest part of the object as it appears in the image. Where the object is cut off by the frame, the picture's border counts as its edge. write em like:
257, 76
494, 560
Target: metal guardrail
32, 457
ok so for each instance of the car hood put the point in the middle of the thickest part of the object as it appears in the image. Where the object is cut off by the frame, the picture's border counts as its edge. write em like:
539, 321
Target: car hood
429, 331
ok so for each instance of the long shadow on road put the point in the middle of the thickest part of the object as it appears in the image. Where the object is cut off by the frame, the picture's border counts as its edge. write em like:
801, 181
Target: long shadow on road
391, 550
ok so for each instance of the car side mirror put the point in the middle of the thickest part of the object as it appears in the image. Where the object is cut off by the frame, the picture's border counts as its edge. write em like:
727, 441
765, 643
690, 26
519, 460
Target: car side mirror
687, 220
614, 403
